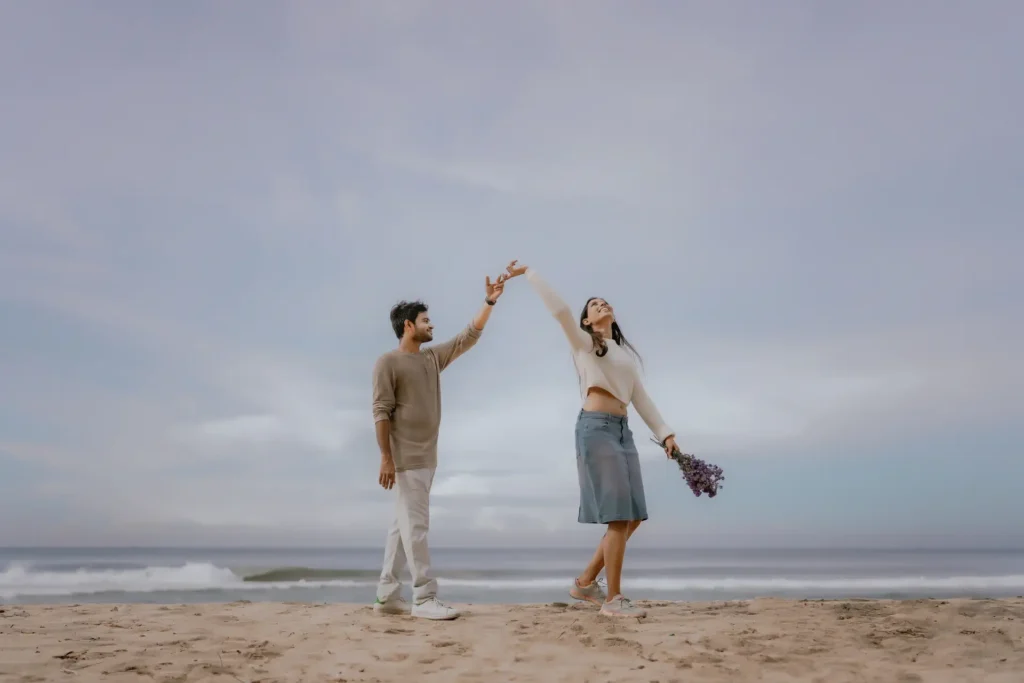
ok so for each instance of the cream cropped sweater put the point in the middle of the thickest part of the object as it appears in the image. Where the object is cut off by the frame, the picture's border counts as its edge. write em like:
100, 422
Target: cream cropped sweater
615, 372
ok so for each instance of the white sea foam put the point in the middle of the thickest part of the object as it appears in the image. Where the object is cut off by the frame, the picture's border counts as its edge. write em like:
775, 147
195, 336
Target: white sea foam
20, 580
874, 585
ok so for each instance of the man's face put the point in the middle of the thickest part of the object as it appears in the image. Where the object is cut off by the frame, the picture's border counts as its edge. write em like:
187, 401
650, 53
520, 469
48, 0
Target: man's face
423, 330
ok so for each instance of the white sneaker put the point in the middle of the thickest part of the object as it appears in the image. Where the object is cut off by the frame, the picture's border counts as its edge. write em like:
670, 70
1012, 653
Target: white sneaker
593, 593
622, 607
432, 608
395, 605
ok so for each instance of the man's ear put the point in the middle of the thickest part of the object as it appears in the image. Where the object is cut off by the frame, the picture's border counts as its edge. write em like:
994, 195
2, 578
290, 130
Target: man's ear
409, 326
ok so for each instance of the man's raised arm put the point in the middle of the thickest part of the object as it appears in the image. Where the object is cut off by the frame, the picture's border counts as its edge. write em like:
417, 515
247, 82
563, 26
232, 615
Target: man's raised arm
448, 351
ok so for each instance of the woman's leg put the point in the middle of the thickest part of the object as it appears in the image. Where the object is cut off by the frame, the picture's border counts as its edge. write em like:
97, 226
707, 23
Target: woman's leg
593, 569
637, 503
614, 552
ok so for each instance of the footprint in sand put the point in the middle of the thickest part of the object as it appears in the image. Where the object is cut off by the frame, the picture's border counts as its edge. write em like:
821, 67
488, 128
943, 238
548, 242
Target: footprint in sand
455, 647
622, 644
261, 651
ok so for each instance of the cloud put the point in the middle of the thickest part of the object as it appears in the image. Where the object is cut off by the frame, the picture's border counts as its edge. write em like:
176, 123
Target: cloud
313, 432
462, 485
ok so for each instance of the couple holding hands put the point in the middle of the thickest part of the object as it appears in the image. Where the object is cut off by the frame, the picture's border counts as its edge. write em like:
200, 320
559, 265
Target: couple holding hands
407, 415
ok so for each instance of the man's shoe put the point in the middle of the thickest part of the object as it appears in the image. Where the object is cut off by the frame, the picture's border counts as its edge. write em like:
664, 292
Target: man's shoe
432, 608
394, 605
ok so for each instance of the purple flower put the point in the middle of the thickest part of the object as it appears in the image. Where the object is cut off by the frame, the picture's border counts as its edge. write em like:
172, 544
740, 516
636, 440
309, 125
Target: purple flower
700, 476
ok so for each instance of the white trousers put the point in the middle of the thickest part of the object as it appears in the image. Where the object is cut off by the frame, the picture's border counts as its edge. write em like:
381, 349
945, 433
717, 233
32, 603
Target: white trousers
407, 538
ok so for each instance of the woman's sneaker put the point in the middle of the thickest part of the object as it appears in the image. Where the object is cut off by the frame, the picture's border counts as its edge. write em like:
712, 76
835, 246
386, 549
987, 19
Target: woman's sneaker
622, 607
395, 605
432, 608
592, 593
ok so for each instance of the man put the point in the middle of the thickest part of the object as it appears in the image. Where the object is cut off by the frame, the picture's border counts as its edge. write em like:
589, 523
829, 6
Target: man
407, 413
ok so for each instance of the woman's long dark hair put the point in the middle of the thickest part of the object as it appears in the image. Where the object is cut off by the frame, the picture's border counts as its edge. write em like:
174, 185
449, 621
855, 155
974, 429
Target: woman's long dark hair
600, 345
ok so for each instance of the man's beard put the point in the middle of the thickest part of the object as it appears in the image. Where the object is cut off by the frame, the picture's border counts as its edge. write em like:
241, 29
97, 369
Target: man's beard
424, 337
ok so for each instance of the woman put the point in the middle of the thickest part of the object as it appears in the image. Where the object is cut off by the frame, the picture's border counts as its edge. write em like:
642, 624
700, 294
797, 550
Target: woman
611, 488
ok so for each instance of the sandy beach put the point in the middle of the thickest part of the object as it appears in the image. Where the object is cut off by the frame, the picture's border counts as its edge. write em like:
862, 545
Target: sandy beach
759, 640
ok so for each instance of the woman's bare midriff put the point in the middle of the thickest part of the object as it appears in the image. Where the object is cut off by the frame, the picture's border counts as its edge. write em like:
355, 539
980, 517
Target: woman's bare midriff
600, 401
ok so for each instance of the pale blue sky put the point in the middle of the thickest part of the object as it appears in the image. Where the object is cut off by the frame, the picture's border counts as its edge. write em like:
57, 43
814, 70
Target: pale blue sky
808, 219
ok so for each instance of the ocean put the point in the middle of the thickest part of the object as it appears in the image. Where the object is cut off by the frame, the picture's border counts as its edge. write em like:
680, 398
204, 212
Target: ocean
191, 575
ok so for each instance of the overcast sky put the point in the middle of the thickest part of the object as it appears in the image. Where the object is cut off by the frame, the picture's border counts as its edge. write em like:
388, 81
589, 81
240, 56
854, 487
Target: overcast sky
808, 218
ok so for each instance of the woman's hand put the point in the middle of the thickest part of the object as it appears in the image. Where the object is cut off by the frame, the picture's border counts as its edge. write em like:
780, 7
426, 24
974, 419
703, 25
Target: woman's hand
513, 270
669, 446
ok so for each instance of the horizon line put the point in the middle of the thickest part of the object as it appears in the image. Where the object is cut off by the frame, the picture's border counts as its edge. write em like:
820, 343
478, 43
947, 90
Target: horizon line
477, 547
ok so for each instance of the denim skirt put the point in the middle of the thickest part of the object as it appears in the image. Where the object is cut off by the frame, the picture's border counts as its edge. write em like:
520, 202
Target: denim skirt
611, 488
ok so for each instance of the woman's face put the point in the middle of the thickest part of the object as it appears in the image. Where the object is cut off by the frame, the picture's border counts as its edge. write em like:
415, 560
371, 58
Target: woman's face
599, 312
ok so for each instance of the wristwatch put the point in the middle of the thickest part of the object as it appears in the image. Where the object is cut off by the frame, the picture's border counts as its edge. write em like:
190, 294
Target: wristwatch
489, 302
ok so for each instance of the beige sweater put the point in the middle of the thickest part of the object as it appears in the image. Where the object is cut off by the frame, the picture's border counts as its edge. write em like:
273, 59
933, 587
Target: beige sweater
407, 392
615, 372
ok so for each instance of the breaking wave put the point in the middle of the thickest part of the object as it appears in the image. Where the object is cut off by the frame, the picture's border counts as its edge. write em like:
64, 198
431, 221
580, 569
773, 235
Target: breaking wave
22, 580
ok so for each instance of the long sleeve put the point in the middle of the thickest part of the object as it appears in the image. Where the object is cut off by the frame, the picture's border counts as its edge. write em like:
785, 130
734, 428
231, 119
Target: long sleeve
448, 351
649, 412
578, 339
383, 390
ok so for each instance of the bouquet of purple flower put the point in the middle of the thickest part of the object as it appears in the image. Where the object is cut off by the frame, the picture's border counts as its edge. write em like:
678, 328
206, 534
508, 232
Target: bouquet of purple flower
700, 476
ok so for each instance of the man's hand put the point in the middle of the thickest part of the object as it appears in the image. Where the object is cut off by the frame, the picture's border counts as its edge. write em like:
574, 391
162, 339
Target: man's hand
494, 289
512, 270
387, 472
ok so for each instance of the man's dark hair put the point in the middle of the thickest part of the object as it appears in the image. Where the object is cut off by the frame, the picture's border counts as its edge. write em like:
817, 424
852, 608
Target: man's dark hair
405, 310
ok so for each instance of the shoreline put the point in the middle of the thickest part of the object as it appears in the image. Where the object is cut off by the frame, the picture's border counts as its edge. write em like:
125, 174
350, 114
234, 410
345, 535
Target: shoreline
173, 576
930, 640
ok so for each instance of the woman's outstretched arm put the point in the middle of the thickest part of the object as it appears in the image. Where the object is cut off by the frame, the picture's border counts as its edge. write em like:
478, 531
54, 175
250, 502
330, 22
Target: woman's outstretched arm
578, 339
649, 412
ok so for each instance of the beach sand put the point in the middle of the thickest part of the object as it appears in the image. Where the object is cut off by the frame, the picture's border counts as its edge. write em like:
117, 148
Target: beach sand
759, 640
